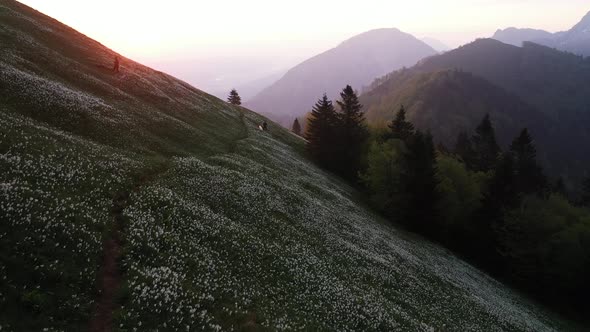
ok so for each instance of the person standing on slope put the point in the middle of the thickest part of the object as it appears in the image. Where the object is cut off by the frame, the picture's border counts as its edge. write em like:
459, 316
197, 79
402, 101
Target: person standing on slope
116, 66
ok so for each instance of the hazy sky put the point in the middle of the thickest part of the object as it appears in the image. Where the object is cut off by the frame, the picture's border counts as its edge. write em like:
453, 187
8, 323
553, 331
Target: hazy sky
280, 33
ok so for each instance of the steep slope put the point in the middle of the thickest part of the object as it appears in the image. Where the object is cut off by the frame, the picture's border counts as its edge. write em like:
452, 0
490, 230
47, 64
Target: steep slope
220, 226
554, 83
356, 61
516, 37
576, 40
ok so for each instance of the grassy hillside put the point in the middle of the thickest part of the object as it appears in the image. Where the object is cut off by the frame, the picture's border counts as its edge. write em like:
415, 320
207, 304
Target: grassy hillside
220, 226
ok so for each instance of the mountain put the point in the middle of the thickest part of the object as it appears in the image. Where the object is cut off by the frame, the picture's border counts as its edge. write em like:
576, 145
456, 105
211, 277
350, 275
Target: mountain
576, 40
356, 61
450, 101
436, 44
134, 201
516, 37
554, 84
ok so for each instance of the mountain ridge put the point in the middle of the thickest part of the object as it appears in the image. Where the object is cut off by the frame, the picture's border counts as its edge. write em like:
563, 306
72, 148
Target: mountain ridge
356, 61
576, 40
538, 76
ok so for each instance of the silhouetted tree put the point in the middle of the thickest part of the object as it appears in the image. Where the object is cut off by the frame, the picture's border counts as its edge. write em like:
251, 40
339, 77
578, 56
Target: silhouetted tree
352, 134
321, 127
400, 127
500, 197
464, 149
421, 183
485, 146
529, 175
296, 128
559, 187
586, 192
234, 97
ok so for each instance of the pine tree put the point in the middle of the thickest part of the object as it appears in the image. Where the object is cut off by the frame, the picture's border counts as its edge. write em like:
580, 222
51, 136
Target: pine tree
501, 196
400, 128
559, 187
296, 128
320, 131
464, 149
351, 135
485, 146
529, 175
421, 183
234, 98
586, 192
502, 189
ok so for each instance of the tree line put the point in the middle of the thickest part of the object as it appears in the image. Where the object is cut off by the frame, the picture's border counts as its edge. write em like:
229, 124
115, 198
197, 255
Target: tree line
496, 208
336, 138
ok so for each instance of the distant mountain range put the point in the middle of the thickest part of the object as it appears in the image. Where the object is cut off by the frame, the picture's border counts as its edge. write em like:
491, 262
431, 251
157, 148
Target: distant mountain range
532, 86
436, 44
516, 37
357, 61
576, 40
251, 88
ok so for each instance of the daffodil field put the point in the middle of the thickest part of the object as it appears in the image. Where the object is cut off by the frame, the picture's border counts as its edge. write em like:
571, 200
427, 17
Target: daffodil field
236, 230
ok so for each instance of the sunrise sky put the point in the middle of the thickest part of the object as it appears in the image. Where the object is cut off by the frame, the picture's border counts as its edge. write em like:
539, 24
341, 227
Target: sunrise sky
280, 33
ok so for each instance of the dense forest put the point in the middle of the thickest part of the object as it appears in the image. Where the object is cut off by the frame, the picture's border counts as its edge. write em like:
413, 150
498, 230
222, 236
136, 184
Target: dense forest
496, 207
546, 89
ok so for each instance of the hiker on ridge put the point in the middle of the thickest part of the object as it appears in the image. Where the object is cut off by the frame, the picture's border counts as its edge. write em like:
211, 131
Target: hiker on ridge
116, 66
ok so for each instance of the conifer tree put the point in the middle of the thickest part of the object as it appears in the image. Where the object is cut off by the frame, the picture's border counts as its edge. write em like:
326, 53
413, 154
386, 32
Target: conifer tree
485, 146
400, 127
502, 190
296, 128
529, 175
351, 135
464, 149
559, 187
586, 192
421, 183
234, 97
500, 197
320, 131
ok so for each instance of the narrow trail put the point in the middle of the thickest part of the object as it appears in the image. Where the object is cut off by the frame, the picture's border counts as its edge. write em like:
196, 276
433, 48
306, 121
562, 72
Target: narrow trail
109, 276
243, 135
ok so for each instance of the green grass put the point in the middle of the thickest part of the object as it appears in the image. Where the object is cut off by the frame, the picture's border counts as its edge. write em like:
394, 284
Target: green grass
228, 227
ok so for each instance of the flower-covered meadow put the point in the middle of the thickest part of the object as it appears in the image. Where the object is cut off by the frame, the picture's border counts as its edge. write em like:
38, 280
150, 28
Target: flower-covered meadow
261, 237
55, 198
235, 231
